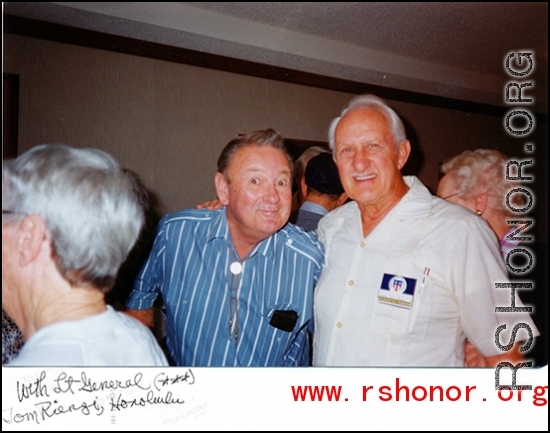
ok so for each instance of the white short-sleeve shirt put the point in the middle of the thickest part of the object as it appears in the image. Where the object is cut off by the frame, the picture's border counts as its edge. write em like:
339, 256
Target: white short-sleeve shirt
107, 339
456, 302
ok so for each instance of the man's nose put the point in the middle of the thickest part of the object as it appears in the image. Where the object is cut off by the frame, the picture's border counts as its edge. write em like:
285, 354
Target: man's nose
361, 160
271, 194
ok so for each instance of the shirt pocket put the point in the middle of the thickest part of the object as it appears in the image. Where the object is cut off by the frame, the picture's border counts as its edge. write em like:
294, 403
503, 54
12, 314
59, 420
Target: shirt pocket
283, 317
396, 322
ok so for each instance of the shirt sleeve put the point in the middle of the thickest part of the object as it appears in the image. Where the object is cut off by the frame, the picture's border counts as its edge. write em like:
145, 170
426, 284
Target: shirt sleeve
297, 353
150, 278
477, 268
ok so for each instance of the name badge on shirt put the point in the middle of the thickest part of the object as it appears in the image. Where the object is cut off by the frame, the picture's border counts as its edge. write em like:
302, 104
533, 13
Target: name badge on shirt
397, 291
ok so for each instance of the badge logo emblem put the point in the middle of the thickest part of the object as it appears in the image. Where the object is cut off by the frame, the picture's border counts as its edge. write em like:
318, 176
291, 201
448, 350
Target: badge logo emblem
398, 284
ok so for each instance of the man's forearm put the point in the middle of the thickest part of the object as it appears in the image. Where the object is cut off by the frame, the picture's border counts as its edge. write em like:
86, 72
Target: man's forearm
473, 358
514, 356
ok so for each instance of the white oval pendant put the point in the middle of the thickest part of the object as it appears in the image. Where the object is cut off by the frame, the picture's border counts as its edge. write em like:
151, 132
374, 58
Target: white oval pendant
236, 268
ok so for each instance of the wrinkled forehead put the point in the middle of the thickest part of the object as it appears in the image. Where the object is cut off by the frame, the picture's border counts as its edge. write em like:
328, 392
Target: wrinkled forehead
256, 157
363, 120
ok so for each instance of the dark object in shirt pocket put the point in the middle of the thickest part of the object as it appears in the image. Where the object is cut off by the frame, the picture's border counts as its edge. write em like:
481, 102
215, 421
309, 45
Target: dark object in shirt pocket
285, 320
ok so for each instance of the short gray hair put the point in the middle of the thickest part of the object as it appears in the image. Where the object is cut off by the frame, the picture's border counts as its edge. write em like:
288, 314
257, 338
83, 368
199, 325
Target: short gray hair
266, 137
485, 169
374, 102
92, 208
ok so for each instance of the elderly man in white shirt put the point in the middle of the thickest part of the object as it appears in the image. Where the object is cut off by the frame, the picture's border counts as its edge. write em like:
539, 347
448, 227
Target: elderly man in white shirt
408, 277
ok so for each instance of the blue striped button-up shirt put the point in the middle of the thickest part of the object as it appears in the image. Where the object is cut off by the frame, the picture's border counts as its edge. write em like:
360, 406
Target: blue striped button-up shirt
189, 265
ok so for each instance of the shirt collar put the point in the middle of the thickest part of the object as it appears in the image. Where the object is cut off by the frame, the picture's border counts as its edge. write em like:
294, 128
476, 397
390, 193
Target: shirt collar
220, 230
417, 202
309, 206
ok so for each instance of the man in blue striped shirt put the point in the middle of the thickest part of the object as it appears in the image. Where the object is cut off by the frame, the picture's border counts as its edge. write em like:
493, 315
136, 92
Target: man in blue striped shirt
237, 283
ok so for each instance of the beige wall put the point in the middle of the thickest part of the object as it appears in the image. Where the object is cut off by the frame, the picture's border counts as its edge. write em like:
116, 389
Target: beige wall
167, 122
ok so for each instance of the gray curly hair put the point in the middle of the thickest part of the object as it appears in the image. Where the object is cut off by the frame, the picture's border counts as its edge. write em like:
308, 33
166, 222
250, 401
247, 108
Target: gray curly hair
92, 208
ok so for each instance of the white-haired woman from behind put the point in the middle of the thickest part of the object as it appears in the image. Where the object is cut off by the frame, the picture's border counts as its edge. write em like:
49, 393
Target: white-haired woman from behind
69, 219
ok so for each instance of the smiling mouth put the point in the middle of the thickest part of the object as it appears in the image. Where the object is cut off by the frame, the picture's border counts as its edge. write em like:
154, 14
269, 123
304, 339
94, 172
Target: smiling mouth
363, 177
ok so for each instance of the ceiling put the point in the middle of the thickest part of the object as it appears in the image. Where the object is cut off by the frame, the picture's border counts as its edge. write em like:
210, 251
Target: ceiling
454, 50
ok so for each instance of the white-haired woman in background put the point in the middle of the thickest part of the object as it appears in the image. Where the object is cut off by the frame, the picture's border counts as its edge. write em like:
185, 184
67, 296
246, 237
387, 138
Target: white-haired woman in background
477, 180
69, 219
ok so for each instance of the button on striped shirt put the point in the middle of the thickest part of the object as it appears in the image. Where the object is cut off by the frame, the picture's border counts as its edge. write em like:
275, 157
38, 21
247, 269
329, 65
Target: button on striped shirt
190, 266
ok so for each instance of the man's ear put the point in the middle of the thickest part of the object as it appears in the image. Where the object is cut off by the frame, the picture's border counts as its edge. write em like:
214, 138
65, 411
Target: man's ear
32, 234
303, 187
342, 199
403, 153
222, 188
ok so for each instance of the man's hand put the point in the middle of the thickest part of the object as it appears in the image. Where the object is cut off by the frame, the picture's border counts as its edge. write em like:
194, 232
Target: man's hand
147, 317
475, 359
213, 204
514, 356
472, 357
